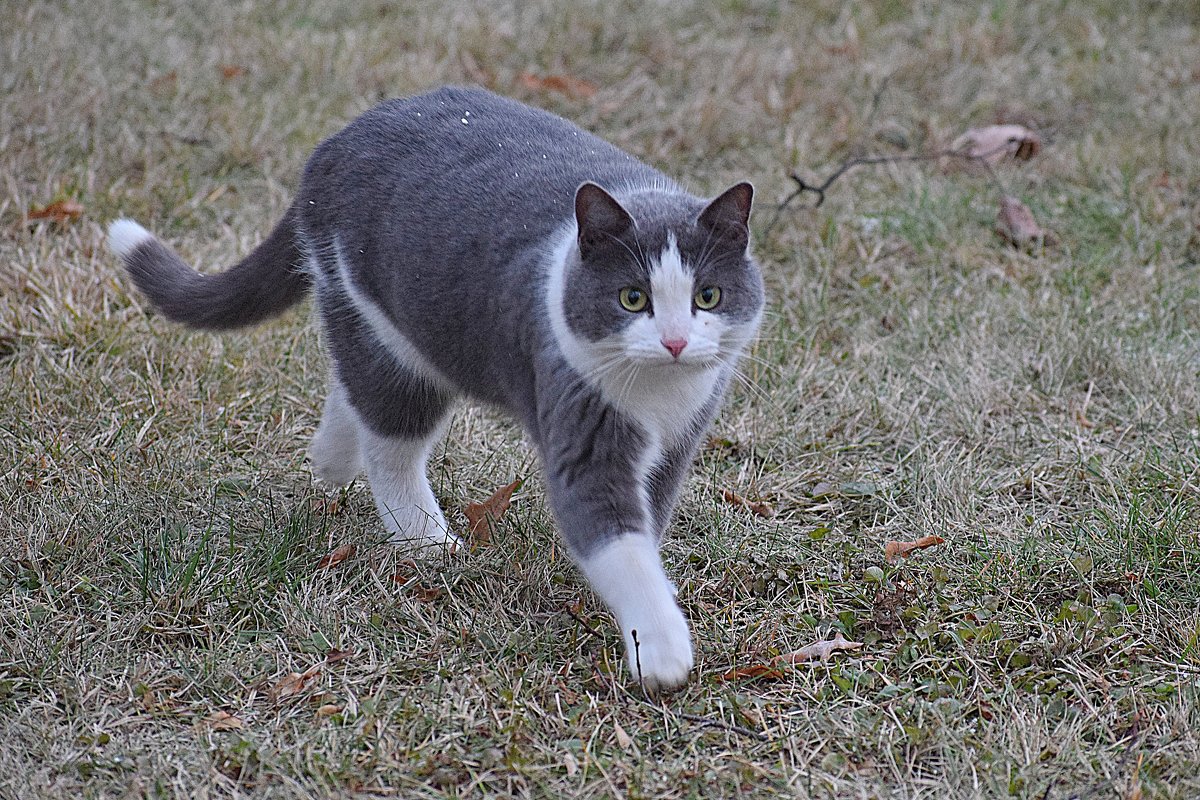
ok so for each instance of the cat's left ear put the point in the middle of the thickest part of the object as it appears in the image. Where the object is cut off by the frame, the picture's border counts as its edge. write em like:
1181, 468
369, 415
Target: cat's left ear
728, 217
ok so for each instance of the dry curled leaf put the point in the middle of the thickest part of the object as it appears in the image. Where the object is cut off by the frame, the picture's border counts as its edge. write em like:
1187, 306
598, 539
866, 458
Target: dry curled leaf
329, 709
894, 551
563, 84
484, 516
58, 211
337, 556
994, 143
758, 507
623, 738
426, 594
223, 721
817, 651
294, 683
1015, 224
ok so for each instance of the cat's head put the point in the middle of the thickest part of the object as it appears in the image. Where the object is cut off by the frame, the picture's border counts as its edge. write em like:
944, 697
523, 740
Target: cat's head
662, 279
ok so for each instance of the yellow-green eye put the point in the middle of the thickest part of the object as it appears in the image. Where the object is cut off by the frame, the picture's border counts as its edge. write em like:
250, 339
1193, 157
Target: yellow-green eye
633, 299
707, 298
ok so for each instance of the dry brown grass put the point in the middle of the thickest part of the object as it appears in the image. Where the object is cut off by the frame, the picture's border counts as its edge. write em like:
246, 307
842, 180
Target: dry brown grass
160, 533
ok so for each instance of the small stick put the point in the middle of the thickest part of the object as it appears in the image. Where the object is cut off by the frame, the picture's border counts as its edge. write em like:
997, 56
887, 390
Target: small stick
582, 622
819, 190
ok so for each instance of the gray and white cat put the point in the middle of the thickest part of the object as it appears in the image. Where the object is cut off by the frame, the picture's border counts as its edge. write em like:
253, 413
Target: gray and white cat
460, 243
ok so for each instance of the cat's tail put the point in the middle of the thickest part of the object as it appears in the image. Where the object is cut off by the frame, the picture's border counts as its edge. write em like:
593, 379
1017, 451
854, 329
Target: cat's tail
263, 284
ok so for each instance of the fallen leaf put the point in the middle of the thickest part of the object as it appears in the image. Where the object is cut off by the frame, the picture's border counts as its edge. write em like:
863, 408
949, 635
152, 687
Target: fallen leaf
623, 738
894, 551
294, 683
570, 765
325, 505
994, 143
231, 71
484, 516
426, 594
752, 671
817, 651
328, 710
223, 721
760, 508
823, 489
563, 84
1015, 224
337, 556
334, 655
58, 211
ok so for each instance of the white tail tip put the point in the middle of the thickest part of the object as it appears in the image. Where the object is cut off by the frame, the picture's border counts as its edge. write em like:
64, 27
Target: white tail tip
125, 236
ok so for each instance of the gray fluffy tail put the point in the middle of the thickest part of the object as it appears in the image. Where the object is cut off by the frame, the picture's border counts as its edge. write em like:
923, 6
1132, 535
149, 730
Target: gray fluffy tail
264, 284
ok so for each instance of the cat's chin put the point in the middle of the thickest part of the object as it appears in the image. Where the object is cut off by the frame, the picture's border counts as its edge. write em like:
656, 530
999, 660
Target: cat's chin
681, 365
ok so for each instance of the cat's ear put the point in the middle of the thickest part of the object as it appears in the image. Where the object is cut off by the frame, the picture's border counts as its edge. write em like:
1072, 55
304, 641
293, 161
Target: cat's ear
728, 217
599, 216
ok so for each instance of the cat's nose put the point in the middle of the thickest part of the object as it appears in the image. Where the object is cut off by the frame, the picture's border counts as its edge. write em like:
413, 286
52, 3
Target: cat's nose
675, 346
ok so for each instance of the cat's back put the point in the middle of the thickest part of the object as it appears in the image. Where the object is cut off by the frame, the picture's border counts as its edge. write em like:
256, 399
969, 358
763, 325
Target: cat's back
471, 150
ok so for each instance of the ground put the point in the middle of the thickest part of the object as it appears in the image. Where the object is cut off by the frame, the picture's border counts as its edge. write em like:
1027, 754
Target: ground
168, 627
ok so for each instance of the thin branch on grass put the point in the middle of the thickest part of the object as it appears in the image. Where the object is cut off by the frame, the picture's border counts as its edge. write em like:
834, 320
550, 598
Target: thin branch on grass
583, 623
819, 190
637, 656
877, 100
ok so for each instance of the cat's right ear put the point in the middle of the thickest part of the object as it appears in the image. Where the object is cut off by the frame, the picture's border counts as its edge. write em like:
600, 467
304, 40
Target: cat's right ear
599, 216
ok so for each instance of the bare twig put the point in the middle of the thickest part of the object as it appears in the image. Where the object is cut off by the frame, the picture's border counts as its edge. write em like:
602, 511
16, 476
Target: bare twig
637, 656
877, 99
819, 190
583, 623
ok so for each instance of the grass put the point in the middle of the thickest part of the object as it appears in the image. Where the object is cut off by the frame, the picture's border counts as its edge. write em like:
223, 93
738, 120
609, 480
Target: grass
160, 535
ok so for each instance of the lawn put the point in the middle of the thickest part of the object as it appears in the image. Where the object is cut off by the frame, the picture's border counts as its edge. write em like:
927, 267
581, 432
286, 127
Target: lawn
171, 624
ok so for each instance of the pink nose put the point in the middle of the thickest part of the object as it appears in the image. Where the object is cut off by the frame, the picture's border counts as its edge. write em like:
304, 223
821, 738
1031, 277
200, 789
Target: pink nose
675, 346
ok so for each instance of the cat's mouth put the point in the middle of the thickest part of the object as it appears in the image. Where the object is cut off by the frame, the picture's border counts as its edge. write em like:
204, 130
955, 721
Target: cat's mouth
683, 362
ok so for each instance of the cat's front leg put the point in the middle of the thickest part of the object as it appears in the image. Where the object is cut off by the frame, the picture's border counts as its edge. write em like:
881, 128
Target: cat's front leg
598, 465
627, 573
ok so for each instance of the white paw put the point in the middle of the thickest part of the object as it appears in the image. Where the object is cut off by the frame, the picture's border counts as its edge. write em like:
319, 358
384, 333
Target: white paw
417, 529
659, 647
335, 469
627, 573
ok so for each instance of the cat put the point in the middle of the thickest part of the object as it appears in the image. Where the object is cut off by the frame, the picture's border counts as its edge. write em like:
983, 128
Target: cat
459, 243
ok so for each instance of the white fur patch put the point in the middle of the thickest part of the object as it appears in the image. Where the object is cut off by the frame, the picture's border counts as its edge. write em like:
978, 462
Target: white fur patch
125, 236
671, 288
396, 472
335, 452
397, 344
627, 573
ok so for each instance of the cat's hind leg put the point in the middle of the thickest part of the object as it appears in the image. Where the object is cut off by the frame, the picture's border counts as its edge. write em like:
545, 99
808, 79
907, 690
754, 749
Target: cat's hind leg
400, 416
396, 469
335, 452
